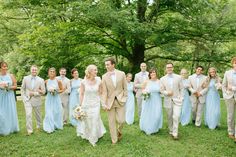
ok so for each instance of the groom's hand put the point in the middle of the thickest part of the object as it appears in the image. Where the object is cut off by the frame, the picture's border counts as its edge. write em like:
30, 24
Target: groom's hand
104, 108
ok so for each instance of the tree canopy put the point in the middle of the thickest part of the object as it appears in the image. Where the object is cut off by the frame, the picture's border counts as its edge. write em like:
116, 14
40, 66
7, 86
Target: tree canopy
72, 33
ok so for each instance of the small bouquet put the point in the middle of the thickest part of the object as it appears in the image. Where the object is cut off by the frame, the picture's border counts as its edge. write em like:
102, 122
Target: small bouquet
218, 86
146, 94
78, 113
4, 86
52, 91
78, 90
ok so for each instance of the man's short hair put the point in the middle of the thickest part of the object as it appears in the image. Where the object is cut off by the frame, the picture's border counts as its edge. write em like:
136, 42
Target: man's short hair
112, 60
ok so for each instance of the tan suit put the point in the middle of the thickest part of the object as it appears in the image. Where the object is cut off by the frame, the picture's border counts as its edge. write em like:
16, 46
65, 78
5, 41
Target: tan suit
172, 103
32, 102
196, 85
114, 96
230, 99
65, 97
139, 79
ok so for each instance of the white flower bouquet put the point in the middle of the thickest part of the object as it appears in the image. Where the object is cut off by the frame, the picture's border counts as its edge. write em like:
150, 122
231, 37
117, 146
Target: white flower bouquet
79, 113
146, 94
4, 86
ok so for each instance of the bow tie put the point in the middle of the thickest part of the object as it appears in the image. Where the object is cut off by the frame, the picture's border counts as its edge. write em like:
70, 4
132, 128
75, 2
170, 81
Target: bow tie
111, 73
143, 74
33, 78
170, 76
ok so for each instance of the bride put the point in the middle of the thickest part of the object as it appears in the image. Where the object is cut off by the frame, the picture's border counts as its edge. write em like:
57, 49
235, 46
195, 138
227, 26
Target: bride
91, 127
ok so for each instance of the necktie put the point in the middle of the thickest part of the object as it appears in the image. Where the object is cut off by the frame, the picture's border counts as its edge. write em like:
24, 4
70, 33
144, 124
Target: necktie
170, 79
198, 80
32, 82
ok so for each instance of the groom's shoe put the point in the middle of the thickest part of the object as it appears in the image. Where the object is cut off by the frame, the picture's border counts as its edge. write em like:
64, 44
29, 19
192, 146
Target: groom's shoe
119, 136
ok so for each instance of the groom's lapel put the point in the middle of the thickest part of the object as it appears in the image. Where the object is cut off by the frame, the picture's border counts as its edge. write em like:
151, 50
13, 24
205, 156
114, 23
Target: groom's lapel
109, 80
117, 78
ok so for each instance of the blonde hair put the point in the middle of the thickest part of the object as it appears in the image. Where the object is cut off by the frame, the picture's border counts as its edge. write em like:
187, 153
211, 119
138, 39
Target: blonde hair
129, 74
88, 70
233, 60
208, 79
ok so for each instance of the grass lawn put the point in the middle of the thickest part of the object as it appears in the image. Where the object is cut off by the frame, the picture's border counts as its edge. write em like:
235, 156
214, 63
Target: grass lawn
193, 141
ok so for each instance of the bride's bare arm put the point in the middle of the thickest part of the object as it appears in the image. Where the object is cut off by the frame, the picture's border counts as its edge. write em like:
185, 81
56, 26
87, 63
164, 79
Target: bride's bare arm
81, 94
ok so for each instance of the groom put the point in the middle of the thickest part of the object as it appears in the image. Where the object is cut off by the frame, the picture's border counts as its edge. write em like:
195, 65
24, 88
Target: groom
114, 95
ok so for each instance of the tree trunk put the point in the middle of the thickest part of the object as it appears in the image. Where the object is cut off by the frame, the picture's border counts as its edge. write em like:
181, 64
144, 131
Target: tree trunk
138, 55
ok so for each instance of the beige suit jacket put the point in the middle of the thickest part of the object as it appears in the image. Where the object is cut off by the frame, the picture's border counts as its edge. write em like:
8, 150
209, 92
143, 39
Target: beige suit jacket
110, 92
26, 88
138, 82
193, 88
177, 89
228, 82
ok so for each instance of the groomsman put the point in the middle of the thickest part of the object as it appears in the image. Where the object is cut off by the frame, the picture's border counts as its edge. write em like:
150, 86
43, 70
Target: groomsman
198, 95
139, 79
31, 90
173, 91
64, 95
229, 94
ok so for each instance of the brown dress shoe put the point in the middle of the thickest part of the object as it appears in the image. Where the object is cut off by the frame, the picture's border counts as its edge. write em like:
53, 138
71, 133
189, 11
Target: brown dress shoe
231, 136
175, 137
119, 136
29, 133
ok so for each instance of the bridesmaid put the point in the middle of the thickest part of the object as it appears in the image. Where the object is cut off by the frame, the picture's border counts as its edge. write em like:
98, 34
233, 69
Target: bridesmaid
212, 110
151, 116
53, 107
74, 95
130, 103
186, 108
8, 112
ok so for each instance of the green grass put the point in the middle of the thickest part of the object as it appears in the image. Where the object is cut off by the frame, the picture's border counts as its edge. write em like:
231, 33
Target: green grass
193, 142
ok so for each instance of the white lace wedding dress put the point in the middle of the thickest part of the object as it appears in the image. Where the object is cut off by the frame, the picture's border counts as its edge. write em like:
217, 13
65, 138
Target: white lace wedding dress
91, 127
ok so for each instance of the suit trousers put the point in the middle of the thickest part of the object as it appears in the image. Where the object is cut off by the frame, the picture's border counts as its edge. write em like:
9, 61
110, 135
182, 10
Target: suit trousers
28, 110
139, 103
116, 118
65, 106
231, 106
197, 109
173, 115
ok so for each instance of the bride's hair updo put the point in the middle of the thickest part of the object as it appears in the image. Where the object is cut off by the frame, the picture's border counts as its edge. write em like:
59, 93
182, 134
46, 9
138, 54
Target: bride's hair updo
88, 70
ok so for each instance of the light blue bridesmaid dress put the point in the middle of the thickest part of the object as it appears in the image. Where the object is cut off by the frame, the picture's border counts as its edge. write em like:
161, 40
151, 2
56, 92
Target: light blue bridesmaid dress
151, 116
186, 108
212, 110
53, 109
8, 112
74, 100
130, 104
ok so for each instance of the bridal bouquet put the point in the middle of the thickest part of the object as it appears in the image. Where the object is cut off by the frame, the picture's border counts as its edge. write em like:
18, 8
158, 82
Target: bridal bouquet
4, 85
146, 94
79, 113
